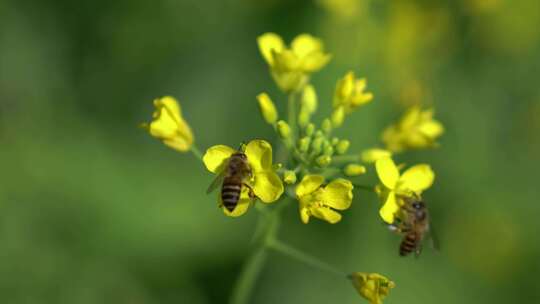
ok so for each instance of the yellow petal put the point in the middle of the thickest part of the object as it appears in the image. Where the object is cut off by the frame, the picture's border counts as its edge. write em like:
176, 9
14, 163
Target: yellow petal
216, 156
417, 179
270, 43
410, 118
387, 171
243, 204
431, 129
259, 154
389, 209
304, 214
305, 44
314, 62
267, 186
326, 214
309, 184
344, 88
338, 194
286, 61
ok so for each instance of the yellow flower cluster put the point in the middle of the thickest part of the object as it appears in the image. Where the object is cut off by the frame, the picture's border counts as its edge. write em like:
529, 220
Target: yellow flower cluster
317, 172
291, 67
348, 96
415, 130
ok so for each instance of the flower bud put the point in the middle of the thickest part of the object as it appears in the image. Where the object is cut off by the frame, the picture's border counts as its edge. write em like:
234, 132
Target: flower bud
303, 144
342, 146
289, 177
268, 110
326, 126
308, 100
372, 155
303, 118
338, 116
334, 141
354, 170
324, 160
328, 150
283, 129
310, 129
316, 145
319, 133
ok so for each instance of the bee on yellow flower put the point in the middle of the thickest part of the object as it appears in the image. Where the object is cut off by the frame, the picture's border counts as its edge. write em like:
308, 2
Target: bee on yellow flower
169, 126
395, 187
372, 286
415, 130
291, 67
322, 201
255, 178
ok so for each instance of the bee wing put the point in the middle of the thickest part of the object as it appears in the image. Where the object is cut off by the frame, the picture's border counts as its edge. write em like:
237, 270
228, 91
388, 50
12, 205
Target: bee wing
433, 238
216, 182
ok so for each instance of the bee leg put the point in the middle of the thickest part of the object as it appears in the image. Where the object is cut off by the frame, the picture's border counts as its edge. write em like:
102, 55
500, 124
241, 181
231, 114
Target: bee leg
250, 193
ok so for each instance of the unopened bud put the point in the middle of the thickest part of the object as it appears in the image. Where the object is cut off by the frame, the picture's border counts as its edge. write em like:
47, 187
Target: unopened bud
310, 128
338, 116
328, 150
324, 160
289, 177
326, 126
342, 146
354, 170
303, 118
303, 144
283, 129
268, 110
316, 144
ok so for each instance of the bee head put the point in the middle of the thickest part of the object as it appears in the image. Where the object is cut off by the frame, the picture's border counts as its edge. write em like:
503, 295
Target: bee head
418, 205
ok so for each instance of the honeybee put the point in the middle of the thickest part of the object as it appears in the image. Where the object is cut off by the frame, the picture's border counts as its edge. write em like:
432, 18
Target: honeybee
414, 225
233, 176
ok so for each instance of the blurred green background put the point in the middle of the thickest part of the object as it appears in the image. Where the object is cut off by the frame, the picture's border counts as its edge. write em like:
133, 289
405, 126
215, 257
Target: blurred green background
94, 210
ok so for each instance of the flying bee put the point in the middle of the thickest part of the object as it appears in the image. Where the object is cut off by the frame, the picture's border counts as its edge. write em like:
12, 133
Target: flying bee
233, 176
414, 225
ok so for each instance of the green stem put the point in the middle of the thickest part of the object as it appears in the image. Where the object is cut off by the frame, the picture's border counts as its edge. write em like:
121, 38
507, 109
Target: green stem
253, 266
364, 187
248, 277
304, 258
196, 152
346, 158
291, 115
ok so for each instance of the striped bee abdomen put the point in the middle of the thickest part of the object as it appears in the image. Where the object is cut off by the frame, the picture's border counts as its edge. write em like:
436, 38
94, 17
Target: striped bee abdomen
409, 244
230, 193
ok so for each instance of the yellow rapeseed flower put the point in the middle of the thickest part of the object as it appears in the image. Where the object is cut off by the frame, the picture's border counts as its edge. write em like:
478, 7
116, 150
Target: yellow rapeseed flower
169, 126
322, 201
264, 181
291, 67
350, 93
396, 187
415, 130
372, 286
